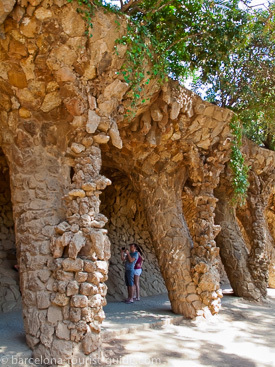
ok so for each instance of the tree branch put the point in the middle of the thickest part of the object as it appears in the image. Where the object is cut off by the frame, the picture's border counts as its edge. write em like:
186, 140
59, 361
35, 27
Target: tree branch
131, 3
162, 6
182, 39
137, 8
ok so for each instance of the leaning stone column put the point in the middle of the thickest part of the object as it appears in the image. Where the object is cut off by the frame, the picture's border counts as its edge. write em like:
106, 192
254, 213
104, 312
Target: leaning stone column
270, 218
171, 239
247, 271
254, 221
62, 251
233, 250
192, 282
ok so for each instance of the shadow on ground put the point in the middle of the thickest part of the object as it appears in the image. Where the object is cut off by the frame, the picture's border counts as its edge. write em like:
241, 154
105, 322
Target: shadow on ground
147, 333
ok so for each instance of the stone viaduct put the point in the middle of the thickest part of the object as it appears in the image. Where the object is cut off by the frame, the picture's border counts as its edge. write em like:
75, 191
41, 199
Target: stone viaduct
80, 178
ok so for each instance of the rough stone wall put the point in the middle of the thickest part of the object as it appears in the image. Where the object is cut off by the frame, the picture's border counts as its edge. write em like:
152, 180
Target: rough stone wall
10, 298
127, 224
270, 214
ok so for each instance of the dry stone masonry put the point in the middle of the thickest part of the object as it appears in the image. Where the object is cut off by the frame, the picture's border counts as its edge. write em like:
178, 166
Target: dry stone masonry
10, 298
245, 241
270, 218
127, 224
79, 179
163, 152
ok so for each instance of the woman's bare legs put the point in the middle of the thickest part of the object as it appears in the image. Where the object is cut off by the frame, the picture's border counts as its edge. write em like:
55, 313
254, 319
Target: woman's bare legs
136, 280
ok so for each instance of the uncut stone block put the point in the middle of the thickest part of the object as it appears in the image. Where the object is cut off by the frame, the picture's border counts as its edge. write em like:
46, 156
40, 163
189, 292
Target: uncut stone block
89, 266
90, 343
78, 241
72, 288
54, 315
43, 300
88, 289
62, 227
72, 264
62, 331
62, 349
87, 314
46, 336
96, 277
79, 301
60, 299
64, 275
95, 301
75, 314
102, 266
61, 286
81, 277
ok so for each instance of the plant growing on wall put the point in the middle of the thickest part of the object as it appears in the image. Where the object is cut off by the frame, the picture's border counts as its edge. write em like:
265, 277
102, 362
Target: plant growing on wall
239, 169
227, 48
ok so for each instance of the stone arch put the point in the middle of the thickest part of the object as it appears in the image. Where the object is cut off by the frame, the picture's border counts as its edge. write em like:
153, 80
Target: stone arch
127, 223
10, 298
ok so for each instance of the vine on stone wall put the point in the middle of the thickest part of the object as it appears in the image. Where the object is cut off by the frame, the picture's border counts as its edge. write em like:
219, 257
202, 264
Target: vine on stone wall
87, 10
149, 58
239, 169
139, 52
140, 65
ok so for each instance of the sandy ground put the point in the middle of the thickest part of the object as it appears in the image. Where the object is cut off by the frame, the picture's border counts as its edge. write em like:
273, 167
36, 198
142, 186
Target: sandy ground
242, 335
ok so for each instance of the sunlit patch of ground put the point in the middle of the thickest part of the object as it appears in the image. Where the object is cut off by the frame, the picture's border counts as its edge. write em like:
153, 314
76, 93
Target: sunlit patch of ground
242, 335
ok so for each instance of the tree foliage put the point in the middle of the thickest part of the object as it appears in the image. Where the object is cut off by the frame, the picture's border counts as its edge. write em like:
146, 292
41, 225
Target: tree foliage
229, 50
180, 37
245, 81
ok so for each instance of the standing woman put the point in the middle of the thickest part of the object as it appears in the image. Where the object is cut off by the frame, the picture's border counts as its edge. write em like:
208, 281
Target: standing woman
138, 271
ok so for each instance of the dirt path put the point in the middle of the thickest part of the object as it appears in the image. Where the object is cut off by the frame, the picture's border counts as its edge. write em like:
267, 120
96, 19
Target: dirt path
242, 335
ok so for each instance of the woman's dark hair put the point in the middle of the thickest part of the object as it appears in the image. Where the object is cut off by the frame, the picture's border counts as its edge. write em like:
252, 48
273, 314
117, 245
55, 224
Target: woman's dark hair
140, 250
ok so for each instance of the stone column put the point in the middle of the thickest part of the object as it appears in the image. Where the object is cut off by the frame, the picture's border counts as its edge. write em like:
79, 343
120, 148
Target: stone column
62, 250
81, 250
38, 182
254, 221
233, 250
10, 298
192, 283
171, 239
270, 218
204, 173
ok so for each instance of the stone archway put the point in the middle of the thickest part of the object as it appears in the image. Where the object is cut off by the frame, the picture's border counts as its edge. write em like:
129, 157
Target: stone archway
10, 298
127, 223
